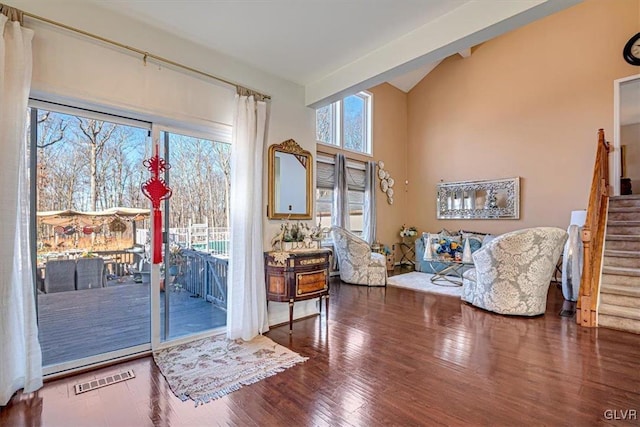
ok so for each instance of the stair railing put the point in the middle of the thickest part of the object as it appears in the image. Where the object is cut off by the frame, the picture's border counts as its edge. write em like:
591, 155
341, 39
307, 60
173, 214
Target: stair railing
593, 237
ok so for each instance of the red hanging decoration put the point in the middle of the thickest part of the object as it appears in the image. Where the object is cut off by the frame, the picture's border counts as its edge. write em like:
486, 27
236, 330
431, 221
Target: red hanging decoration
156, 190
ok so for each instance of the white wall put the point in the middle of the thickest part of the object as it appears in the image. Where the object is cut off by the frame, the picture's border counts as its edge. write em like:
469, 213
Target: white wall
71, 68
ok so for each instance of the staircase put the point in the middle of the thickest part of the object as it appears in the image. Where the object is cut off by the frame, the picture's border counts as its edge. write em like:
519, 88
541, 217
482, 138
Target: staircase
620, 287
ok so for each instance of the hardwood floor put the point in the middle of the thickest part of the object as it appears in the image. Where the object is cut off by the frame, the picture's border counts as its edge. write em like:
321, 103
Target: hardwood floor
387, 357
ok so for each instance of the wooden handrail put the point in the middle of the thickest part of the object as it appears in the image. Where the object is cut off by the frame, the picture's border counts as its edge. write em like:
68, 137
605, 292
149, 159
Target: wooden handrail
593, 237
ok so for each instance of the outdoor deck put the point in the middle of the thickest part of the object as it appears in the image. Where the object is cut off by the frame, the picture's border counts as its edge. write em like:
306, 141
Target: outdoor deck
85, 323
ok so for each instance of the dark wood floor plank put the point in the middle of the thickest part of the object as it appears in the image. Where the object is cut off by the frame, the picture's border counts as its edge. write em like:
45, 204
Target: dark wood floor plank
387, 357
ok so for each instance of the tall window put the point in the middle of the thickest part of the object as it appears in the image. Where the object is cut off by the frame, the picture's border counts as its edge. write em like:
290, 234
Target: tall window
324, 192
346, 123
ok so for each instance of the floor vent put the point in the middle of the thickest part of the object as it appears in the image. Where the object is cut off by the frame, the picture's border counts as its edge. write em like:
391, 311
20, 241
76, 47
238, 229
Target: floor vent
103, 382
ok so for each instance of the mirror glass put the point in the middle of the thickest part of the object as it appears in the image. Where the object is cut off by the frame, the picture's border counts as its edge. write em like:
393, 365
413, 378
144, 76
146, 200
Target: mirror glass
487, 199
290, 172
630, 137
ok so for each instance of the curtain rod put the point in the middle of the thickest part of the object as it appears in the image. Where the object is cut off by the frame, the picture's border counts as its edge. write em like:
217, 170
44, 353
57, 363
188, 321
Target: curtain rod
145, 55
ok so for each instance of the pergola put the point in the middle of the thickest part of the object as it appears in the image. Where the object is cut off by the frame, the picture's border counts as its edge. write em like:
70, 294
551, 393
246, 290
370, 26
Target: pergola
71, 222
72, 217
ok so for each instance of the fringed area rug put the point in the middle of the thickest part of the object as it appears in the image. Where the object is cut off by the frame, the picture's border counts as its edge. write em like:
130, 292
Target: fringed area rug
210, 368
422, 282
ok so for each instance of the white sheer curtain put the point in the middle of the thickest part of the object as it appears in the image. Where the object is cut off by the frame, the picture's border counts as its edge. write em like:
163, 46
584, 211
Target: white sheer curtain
369, 216
20, 356
247, 299
340, 212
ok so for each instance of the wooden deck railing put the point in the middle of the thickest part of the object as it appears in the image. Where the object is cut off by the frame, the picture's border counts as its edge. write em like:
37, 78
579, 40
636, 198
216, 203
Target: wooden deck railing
205, 275
593, 237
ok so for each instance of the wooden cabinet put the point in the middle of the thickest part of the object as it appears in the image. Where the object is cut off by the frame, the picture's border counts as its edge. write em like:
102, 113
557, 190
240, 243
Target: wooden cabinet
297, 276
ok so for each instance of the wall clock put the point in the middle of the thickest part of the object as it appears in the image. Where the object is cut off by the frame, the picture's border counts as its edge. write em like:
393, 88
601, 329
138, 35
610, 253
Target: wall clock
631, 51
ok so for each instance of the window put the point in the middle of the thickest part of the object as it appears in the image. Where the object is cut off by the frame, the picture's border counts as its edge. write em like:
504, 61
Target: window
324, 192
87, 161
346, 123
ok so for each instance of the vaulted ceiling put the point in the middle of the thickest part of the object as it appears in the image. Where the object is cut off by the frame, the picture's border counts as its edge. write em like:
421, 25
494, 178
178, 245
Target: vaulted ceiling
336, 47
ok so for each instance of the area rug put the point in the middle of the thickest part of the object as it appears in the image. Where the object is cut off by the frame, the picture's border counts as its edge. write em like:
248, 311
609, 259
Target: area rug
422, 282
210, 368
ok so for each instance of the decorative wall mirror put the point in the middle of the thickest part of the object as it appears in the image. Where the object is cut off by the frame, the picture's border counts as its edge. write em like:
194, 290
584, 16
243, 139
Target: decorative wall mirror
290, 175
487, 199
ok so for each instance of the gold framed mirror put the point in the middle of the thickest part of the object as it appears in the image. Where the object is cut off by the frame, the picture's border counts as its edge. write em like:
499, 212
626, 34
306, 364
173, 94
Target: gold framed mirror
290, 175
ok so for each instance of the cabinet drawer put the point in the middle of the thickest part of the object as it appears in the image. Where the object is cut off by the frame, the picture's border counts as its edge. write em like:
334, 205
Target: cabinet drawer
313, 262
311, 282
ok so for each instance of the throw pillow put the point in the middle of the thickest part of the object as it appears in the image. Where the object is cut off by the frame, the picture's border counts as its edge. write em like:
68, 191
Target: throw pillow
466, 251
475, 240
445, 232
488, 238
429, 241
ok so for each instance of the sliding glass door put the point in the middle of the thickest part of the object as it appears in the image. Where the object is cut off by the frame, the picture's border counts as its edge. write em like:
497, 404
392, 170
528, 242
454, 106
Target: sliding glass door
98, 295
93, 303
193, 288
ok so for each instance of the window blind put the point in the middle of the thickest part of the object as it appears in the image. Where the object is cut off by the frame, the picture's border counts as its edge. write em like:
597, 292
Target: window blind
325, 173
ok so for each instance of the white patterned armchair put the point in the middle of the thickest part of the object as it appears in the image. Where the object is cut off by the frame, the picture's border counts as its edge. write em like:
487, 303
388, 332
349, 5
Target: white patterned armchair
358, 265
512, 272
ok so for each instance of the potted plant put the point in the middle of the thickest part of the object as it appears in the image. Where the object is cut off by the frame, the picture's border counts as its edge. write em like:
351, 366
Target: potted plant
298, 236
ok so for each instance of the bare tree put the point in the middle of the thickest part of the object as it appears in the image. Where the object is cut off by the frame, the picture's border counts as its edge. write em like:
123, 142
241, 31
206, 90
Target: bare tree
222, 158
97, 134
51, 130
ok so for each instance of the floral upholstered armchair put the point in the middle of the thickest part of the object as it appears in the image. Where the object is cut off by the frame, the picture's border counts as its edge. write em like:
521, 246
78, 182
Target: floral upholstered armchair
358, 265
512, 272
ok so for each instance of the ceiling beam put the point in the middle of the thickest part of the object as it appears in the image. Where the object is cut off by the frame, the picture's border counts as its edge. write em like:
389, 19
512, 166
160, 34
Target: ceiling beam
468, 25
465, 53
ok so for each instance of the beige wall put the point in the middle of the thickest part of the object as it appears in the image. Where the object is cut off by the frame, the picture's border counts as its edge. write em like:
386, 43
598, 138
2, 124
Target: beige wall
528, 104
390, 146
630, 136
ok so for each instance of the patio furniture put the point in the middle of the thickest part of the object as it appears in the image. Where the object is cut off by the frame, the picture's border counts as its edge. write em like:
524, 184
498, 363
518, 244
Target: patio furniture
90, 273
59, 276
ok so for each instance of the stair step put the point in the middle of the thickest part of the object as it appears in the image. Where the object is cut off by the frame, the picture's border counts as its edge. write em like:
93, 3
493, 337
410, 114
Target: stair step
616, 280
622, 242
619, 311
621, 271
622, 324
616, 227
628, 223
621, 254
623, 262
622, 203
622, 209
624, 237
629, 259
626, 197
623, 216
629, 291
619, 300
